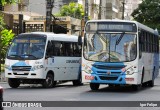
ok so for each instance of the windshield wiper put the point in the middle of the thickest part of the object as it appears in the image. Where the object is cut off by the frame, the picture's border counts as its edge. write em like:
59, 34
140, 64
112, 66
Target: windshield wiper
29, 55
120, 38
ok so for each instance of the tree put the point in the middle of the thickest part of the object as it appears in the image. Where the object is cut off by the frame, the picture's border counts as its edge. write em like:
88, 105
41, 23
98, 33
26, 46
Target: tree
4, 2
148, 13
2, 24
5, 38
5, 35
73, 9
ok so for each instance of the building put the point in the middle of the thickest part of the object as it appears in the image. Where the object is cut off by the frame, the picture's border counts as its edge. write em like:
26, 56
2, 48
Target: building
34, 22
39, 6
21, 6
111, 9
131, 5
34, 16
36, 6
104, 9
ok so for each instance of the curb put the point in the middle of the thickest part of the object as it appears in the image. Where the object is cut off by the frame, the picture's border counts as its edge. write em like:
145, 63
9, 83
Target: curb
3, 82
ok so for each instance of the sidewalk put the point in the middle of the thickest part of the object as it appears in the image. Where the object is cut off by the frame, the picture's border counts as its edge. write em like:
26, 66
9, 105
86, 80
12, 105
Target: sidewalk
2, 77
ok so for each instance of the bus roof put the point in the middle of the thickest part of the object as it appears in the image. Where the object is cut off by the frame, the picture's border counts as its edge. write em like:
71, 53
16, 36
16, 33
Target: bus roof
56, 37
142, 26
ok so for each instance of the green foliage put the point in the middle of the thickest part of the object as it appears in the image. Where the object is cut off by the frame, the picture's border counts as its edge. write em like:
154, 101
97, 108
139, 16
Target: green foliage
73, 9
4, 2
1, 22
6, 37
148, 13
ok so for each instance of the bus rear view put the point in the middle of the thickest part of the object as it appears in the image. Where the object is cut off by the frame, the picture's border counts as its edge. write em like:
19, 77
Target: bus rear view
113, 55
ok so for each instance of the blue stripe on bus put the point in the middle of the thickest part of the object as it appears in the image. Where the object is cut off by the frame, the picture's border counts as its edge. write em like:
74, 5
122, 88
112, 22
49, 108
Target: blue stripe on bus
101, 76
21, 63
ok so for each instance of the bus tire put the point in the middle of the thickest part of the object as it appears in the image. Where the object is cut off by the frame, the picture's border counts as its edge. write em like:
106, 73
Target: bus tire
13, 82
151, 83
78, 82
136, 87
94, 86
49, 81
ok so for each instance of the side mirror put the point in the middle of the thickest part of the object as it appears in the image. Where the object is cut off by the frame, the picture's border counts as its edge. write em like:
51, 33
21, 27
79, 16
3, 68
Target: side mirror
79, 40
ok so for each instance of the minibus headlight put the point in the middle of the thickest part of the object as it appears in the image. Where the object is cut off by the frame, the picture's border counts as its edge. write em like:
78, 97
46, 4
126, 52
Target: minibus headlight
37, 67
7, 67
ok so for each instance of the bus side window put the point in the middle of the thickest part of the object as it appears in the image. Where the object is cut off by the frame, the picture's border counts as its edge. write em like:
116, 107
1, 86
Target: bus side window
49, 49
69, 49
56, 48
77, 51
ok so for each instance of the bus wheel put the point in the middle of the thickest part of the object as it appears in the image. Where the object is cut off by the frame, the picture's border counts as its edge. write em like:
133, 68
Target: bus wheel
77, 82
14, 83
94, 86
151, 83
136, 87
49, 81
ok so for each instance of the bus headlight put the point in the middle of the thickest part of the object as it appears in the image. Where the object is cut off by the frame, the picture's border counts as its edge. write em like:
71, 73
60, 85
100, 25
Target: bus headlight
37, 67
130, 70
7, 67
87, 69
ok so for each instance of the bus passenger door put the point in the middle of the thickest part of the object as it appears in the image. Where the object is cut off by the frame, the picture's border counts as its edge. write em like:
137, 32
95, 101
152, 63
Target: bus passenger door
53, 60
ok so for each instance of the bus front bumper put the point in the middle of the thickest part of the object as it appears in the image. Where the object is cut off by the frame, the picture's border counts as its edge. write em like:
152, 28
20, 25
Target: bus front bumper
109, 79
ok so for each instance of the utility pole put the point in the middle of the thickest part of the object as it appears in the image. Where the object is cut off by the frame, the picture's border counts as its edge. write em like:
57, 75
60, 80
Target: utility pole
100, 9
86, 11
123, 3
49, 6
21, 24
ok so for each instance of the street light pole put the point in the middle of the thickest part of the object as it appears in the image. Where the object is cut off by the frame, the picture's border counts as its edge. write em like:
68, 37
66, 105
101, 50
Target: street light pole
123, 3
86, 11
49, 6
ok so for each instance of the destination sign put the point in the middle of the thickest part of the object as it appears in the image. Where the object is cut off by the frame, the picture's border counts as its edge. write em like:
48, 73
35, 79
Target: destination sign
111, 27
29, 40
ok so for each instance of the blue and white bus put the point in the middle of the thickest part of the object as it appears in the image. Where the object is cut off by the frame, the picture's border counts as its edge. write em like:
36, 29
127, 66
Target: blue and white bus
43, 58
118, 52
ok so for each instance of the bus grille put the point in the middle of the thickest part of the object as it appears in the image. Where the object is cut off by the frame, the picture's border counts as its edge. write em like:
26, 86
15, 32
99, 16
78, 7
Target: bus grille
108, 78
108, 67
104, 72
21, 68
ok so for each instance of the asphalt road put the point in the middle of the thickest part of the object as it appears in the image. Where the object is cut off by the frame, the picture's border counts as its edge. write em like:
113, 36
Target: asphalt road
68, 92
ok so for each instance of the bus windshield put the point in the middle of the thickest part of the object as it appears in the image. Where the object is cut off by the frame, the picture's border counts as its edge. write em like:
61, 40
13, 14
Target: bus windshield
27, 48
110, 47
